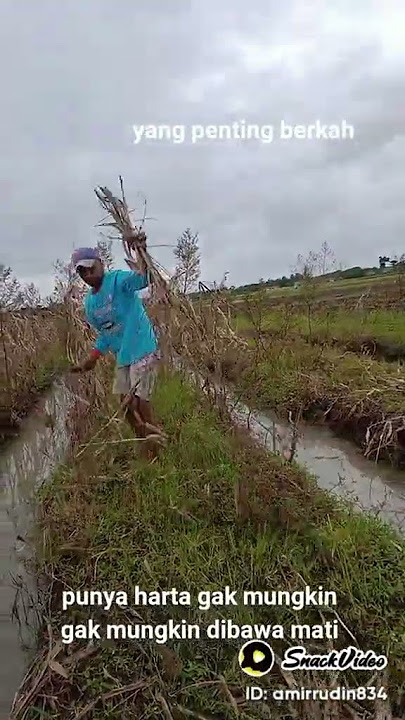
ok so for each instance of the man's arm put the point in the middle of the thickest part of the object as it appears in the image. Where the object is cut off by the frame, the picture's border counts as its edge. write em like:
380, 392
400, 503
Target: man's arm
89, 363
132, 280
100, 348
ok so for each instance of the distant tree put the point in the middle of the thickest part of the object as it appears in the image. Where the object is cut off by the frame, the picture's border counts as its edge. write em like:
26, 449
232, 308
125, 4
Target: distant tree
222, 285
31, 296
400, 269
354, 272
14, 295
66, 283
307, 268
398, 261
326, 259
188, 257
11, 292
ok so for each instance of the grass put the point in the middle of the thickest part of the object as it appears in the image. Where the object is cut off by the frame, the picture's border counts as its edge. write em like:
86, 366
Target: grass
337, 365
384, 326
34, 353
360, 396
212, 511
373, 282
294, 374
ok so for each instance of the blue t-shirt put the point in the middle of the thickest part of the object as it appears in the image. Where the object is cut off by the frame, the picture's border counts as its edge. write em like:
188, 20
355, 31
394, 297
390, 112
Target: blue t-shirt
117, 313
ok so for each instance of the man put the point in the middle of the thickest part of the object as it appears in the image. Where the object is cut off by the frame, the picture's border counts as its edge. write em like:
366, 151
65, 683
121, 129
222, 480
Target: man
113, 308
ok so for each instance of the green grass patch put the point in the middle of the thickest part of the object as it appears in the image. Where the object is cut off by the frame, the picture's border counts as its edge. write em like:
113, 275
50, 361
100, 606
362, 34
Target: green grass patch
213, 511
351, 392
293, 374
383, 325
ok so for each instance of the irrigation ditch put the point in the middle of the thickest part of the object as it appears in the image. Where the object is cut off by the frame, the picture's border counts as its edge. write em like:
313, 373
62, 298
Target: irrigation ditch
44, 442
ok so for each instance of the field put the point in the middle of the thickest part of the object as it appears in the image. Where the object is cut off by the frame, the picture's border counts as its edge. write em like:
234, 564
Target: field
37, 348
215, 510
32, 349
379, 331
339, 365
385, 289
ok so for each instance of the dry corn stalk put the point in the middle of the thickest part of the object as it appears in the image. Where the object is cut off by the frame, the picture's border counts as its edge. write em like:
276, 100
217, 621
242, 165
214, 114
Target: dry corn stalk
134, 239
134, 242
194, 334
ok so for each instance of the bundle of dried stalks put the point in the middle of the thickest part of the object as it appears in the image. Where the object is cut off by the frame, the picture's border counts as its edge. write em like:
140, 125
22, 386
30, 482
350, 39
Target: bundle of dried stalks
133, 240
202, 336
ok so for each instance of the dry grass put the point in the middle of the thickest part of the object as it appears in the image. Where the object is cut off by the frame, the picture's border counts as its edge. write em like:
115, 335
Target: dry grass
32, 348
356, 394
211, 511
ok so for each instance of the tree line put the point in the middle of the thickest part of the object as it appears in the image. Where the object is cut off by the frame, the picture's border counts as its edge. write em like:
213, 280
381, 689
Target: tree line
15, 295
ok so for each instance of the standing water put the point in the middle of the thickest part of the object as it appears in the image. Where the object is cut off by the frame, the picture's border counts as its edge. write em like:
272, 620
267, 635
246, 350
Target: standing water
43, 443
27, 462
337, 464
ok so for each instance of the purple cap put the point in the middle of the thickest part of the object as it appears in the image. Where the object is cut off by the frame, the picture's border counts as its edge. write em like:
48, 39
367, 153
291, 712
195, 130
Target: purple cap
85, 257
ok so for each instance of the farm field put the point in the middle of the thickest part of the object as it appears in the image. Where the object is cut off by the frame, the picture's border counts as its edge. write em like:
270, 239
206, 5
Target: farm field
379, 331
214, 510
33, 351
332, 364
371, 292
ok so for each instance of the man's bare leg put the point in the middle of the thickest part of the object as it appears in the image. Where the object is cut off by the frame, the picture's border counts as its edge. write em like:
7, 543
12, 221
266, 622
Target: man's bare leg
142, 426
137, 424
132, 417
152, 432
146, 412
142, 409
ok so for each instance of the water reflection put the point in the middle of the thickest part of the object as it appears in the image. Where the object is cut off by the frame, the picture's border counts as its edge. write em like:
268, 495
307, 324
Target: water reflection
27, 463
337, 464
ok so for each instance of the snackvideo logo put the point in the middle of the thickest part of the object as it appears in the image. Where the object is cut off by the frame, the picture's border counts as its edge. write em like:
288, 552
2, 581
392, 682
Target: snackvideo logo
256, 658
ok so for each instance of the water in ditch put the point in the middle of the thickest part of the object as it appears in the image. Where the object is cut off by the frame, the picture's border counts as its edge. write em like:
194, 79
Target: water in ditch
26, 463
43, 442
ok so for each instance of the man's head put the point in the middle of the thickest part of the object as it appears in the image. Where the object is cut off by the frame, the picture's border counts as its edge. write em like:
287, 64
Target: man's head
88, 264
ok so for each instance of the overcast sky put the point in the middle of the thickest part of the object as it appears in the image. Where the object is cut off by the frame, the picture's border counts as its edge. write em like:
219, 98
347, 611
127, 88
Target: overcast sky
78, 75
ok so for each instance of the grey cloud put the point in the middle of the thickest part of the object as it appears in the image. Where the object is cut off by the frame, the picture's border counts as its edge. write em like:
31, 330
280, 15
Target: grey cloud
80, 75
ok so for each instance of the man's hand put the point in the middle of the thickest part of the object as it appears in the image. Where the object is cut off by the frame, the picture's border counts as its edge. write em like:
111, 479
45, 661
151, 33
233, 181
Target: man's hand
138, 242
132, 264
76, 369
139, 266
87, 365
